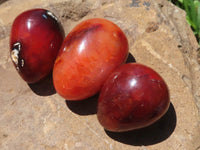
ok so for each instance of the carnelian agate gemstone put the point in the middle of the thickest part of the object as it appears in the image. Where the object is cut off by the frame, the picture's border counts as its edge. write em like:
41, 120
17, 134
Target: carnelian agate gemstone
36, 37
133, 96
90, 52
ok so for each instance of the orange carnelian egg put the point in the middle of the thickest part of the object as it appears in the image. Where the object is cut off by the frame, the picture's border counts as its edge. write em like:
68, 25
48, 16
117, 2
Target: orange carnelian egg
90, 52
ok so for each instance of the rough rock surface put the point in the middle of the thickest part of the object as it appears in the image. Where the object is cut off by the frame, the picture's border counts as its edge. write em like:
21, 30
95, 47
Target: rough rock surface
35, 117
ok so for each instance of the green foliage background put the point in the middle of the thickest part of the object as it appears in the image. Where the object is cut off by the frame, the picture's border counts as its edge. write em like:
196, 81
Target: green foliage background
192, 8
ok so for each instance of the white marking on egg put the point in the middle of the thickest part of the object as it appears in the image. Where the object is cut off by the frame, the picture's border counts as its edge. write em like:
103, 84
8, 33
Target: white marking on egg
52, 15
15, 56
22, 63
19, 46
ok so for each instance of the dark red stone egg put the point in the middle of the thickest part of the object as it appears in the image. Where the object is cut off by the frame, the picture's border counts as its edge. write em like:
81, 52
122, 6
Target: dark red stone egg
36, 37
133, 96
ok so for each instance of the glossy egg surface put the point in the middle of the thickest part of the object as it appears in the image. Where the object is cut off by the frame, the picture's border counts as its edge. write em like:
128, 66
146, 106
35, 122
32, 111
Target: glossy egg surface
133, 96
36, 37
90, 52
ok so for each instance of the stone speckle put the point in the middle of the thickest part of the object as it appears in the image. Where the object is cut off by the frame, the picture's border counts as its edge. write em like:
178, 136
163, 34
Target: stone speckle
31, 118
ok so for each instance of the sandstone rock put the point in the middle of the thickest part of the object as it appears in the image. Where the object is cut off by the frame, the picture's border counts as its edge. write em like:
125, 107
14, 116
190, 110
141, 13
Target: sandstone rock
34, 117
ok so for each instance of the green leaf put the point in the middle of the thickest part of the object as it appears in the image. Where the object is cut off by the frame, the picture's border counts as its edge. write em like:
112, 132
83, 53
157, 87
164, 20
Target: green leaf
191, 13
192, 9
180, 1
198, 18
